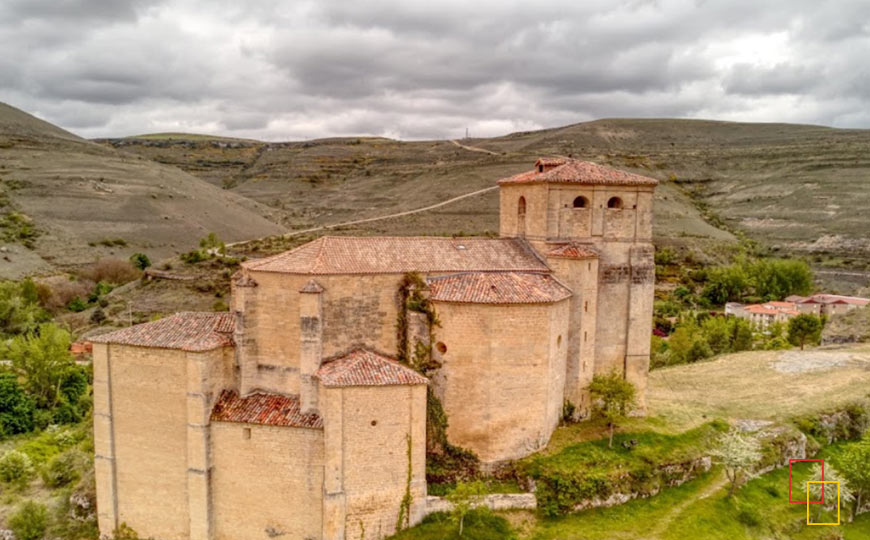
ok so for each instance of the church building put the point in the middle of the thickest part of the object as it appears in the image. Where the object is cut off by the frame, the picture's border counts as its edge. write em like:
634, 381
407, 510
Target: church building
301, 413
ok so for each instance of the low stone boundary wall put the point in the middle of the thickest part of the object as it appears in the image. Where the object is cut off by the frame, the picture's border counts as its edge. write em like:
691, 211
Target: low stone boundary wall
496, 501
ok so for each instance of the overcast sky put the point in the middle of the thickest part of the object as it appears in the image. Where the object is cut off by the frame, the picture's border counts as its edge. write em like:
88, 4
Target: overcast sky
282, 70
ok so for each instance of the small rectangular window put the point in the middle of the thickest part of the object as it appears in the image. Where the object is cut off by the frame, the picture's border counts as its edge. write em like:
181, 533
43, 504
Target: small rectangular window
586, 306
246, 433
584, 336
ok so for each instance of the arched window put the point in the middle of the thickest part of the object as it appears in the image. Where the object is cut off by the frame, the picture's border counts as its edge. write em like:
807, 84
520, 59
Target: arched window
614, 202
581, 202
521, 207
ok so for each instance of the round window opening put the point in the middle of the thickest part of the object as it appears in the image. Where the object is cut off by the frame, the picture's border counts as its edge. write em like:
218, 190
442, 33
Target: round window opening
374, 422
614, 202
581, 202
442, 348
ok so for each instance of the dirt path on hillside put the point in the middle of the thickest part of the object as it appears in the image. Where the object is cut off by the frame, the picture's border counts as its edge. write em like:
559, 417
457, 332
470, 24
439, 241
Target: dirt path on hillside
663, 523
473, 148
379, 218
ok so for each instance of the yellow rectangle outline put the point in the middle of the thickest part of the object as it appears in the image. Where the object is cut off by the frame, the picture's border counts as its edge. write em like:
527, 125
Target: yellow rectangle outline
823, 496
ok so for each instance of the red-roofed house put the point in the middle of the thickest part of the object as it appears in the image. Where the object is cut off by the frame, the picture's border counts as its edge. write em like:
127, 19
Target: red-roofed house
828, 304
302, 413
763, 315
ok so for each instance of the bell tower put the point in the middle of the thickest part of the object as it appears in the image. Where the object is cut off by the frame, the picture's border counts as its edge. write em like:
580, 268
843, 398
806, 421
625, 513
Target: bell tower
593, 224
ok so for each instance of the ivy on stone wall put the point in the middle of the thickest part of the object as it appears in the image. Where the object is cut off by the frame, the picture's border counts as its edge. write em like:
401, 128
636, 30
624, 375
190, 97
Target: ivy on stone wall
444, 462
404, 519
412, 299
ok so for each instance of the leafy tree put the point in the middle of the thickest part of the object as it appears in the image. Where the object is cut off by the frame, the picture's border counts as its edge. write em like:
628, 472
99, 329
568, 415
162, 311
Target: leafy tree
16, 407
20, 311
30, 521
738, 453
854, 463
741, 335
777, 278
725, 283
614, 398
828, 492
464, 497
681, 341
804, 328
717, 333
44, 361
140, 261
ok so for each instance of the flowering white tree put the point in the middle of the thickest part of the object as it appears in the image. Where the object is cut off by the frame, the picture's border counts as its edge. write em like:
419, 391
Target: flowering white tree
738, 453
829, 490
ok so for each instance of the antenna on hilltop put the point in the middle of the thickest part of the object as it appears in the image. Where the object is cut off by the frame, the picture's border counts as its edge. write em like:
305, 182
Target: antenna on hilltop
466, 133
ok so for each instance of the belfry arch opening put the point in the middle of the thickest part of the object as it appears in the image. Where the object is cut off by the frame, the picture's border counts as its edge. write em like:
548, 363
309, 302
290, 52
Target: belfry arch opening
581, 202
521, 216
614, 202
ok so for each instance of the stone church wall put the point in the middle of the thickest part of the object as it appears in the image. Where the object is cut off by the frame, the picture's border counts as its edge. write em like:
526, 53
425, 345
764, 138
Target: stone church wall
148, 430
503, 374
267, 481
367, 431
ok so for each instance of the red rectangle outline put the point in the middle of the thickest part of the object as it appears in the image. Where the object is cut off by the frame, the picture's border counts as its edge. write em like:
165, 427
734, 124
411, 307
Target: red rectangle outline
789, 482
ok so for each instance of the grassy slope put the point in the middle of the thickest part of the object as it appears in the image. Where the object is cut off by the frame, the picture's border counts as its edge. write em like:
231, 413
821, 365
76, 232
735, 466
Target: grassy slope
737, 386
747, 386
78, 192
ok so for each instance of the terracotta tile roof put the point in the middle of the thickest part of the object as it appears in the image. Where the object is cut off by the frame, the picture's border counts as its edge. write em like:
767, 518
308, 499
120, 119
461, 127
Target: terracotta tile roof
581, 172
839, 299
497, 288
387, 255
777, 303
572, 251
366, 368
761, 310
262, 408
550, 162
187, 331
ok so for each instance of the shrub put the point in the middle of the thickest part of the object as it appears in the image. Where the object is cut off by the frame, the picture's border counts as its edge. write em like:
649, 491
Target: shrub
30, 521
16, 407
15, 468
98, 316
77, 305
111, 270
193, 257
63, 469
749, 516
59, 294
100, 289
140, 261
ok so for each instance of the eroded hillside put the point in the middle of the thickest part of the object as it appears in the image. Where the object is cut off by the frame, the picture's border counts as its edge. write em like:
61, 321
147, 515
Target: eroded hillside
79, 200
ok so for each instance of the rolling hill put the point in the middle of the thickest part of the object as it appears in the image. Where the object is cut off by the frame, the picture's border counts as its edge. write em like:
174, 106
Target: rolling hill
66, 201
796, 188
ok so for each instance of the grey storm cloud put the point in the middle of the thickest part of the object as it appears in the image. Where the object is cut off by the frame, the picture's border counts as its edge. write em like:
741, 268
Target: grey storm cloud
288, 70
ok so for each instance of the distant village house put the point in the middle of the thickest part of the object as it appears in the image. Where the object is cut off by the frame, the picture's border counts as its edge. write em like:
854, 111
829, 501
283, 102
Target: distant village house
761, 316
